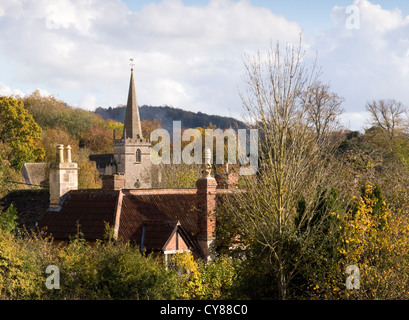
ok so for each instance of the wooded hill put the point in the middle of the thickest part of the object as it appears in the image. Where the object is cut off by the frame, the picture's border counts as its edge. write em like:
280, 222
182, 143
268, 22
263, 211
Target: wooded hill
166, 115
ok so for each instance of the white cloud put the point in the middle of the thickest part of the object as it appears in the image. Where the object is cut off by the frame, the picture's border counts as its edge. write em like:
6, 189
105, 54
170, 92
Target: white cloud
189, 56
369, 63
89, 101
355, 120
8, 91
185, 54
66, 14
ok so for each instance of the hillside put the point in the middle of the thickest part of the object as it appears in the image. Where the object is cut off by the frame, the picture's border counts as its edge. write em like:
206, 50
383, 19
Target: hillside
166, 115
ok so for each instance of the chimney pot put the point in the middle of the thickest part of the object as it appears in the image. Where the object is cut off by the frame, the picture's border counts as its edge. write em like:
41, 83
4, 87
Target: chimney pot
60, 153
68, 153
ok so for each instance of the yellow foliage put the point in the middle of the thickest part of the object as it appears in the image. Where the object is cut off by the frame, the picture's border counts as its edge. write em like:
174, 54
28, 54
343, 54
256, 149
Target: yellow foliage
190, 276
375, 238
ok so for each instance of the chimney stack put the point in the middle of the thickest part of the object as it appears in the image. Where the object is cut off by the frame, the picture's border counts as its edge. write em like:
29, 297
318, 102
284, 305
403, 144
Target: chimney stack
63, 175
206, 197
113, 182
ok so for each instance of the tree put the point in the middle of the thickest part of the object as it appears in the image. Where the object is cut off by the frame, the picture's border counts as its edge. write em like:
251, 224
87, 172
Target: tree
51, 137
373, 236
53, 113
19, 130
295, 166
323, 109
8, 219
179, 176
387, 115
148, 126
88, 175
46, 111
98, 140
8, 175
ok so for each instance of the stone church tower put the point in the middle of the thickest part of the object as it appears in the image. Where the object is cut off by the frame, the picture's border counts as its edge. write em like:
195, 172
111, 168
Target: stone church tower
132, 153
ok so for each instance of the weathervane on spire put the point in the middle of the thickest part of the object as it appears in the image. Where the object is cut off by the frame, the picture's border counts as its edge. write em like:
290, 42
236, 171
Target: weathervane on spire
131, 63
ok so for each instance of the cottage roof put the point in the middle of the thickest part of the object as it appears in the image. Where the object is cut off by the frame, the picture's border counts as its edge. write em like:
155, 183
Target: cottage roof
30, 204
147, 217
35, 173
84, 211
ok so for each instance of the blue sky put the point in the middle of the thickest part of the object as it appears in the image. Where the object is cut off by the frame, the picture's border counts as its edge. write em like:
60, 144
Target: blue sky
313, 15
189, 54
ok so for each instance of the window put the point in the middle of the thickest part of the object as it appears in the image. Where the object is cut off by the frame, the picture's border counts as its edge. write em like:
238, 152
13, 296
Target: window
138, 155
169, 256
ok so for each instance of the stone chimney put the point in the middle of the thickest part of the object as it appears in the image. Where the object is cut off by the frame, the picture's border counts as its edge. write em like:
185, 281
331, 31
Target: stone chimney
63, 175
206, 197
113, 182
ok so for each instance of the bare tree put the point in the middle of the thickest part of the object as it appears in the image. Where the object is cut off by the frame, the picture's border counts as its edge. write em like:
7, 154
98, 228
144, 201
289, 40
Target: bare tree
323, 109
387, 115
293, 165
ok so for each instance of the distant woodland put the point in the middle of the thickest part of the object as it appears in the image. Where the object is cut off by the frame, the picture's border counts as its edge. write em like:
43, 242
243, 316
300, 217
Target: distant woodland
32, 126
166, 115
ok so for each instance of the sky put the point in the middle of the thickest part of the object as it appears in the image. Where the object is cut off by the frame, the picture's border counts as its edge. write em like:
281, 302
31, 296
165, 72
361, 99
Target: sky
189, 54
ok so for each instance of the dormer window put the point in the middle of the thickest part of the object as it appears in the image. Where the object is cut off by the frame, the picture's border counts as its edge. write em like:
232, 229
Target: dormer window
138, 155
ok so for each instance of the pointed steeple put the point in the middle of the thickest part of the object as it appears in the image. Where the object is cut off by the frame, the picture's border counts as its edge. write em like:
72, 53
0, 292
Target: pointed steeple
132, 124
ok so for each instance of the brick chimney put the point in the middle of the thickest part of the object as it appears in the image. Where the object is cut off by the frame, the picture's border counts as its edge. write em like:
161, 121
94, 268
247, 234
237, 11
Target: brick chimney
206, 197
63, 175
113, 182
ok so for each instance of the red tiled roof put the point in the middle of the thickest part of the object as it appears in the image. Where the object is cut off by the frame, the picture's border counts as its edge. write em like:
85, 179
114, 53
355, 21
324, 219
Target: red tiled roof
166, 206
158, 211
156, 234
89, 209
31, 205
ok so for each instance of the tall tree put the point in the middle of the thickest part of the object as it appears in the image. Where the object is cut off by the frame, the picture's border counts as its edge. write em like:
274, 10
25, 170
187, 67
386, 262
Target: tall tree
19, 130
293, 168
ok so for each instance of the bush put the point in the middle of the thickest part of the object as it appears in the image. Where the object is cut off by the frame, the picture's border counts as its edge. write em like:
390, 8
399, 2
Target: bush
198, 280
8, 219
111, 270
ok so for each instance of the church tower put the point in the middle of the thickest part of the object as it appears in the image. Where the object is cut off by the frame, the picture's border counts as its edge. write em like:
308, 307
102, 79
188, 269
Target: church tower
132, 153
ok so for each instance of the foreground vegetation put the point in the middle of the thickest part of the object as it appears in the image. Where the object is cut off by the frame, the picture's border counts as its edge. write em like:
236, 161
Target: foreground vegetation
105, 270
372, 234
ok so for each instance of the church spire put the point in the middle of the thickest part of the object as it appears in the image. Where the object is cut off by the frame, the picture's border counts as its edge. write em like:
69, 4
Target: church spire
132, 124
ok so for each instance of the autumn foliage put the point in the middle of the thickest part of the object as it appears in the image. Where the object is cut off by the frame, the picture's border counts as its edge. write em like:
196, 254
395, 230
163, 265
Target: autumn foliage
375, 237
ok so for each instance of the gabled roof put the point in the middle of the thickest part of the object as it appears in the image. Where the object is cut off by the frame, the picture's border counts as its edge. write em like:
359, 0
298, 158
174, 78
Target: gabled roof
35, 173
146, 217
151, 215
156, 235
